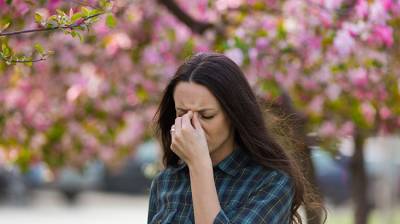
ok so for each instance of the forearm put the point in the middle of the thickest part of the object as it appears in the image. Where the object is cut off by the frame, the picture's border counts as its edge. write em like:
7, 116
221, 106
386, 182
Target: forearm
204, 194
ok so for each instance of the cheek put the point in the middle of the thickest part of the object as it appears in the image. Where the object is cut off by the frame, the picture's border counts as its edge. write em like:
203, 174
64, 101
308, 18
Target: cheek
215, 128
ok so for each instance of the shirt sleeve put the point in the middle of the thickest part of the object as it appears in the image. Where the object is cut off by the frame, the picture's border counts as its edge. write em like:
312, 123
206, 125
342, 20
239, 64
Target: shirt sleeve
271, 203
152, 201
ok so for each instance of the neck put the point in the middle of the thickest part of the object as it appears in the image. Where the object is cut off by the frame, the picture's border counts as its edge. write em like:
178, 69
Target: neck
224, 150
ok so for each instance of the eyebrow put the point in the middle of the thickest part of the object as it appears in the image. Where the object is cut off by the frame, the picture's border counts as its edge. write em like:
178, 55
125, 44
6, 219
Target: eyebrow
202, 110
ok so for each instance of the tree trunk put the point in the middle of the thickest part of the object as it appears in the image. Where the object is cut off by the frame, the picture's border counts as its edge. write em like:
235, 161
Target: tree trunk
359, 180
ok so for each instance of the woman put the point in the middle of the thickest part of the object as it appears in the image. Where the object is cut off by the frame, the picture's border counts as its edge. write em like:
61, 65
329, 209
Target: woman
222, 166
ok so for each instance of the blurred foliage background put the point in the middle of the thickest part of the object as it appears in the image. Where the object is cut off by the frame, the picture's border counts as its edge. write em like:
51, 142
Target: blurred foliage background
86, 89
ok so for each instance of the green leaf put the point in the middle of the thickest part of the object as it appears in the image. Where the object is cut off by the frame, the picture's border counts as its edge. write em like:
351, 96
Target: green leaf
6, 50
81, 38
39, 48
23, 159
281, 32
76, 17
105, 5
38, 17
95, 11
52, 24
111, 22
4, 27
241, 44
9, 2
60, 12
85, 11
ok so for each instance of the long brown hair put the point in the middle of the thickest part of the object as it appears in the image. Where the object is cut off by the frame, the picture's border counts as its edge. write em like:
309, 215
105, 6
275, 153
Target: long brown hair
225, 80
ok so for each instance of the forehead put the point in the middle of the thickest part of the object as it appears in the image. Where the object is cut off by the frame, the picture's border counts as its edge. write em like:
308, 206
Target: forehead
192, 96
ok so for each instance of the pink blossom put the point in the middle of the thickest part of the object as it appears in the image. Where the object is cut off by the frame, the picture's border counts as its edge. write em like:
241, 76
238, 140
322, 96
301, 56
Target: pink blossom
326, 19
327, 129
73, 92
236, 55
347, 129
383, 34
2, 150
333, 91
149, 86
182, 33
368, 112
53, 5
332, 4
151, 55
101, 28
2, 5
12, 126
67, 110
309, 84
222, 5
133, 130
253, 55
269, 23
344, 42
22, 7
316, 105
112, 105
388, 4
395, 9
361, 8
359, 77
377, 12
261, 43
385, 113
40, 122
362, 94
382, 94
106, 153
15, 99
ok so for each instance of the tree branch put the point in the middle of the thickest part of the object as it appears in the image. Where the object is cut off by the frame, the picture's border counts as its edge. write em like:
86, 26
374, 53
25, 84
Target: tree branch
22, 61
196, 26
50, 28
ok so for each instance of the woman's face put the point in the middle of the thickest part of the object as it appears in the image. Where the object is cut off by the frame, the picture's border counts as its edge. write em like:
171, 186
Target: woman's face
197, 98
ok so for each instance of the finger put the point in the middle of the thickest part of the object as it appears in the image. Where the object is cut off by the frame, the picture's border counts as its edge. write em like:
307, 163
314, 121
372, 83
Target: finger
196, 121
172, 129
172, 146
186, 124
178, 125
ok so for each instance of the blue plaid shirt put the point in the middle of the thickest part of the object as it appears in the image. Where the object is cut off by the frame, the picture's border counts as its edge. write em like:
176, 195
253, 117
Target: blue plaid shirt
248, 193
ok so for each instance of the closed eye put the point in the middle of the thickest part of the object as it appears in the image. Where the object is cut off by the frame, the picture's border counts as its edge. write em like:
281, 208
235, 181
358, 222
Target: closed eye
202, 116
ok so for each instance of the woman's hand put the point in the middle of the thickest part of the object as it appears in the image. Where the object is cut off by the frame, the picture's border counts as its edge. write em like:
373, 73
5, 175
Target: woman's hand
189, 142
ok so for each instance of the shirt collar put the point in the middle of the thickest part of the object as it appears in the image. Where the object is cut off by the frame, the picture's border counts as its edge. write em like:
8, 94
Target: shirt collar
234, 161
230, 164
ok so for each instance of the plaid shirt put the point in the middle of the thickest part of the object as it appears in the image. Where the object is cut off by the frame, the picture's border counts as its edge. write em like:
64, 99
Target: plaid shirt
248, 193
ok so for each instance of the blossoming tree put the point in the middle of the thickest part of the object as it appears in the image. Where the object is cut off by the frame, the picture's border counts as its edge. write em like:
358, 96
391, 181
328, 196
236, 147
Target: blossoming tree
335, 60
